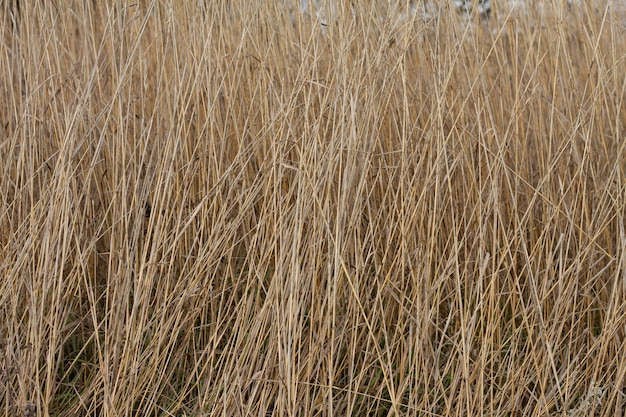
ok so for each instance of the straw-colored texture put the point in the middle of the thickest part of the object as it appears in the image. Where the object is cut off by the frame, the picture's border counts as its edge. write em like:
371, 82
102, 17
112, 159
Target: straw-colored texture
232, 208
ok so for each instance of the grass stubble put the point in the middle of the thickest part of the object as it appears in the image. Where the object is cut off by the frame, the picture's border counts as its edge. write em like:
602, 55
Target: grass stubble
226, 209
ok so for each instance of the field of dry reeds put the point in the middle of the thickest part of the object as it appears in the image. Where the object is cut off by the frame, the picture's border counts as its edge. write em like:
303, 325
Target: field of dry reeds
238, 209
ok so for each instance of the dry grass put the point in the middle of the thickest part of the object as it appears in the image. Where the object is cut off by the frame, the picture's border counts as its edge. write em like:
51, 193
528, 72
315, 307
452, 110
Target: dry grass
211, 210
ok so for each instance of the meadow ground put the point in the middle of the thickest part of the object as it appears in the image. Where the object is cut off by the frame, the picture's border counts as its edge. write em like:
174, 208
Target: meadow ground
228, 209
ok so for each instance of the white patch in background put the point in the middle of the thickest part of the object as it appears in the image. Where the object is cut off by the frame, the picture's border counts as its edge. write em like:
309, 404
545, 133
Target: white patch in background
325, 12
484, 6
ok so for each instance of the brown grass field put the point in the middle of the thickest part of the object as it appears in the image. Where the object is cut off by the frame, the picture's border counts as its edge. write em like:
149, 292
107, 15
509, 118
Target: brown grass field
208, 209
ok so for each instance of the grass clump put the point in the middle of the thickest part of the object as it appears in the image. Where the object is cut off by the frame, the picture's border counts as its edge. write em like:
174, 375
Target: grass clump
236, 208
